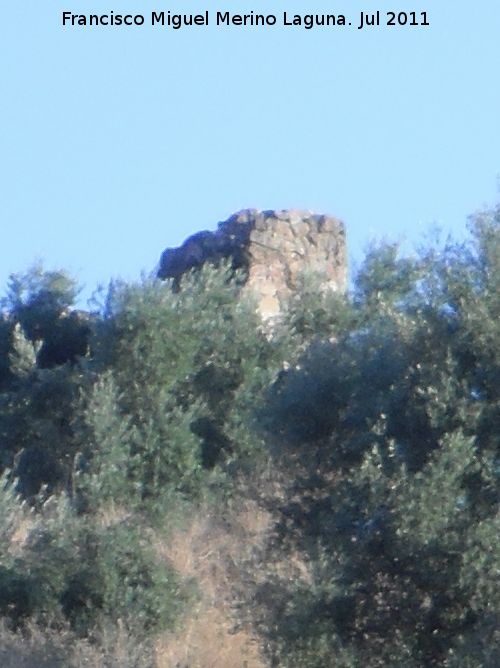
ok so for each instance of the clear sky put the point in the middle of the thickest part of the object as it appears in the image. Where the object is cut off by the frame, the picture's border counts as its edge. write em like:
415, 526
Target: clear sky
117, 142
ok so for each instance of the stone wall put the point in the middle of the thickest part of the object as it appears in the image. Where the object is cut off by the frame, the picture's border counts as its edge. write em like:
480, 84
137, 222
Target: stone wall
273, 248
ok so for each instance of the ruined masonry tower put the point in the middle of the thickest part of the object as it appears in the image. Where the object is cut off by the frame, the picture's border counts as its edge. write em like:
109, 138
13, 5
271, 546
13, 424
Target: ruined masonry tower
273, 248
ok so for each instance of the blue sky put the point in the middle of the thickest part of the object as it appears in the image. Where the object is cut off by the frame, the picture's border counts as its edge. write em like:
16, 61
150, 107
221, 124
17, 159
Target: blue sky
116, 142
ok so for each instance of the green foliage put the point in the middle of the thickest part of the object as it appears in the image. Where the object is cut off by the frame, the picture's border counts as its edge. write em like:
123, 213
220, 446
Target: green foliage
38, 306
40, 340
399, 568
90, 575
379, 410
315, 313
108, 438
186, 368
385, 279
390, 438
37, 297
23, 356
6, 327
12, 513
36, 423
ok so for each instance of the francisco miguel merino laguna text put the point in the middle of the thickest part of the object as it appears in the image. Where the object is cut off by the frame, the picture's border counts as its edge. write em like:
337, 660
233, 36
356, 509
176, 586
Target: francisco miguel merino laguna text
177, 21
307, 21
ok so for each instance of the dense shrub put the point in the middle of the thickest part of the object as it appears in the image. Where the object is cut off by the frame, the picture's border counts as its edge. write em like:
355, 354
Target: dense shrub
377, 413
89, 575
390, 439
41, 341
184, 372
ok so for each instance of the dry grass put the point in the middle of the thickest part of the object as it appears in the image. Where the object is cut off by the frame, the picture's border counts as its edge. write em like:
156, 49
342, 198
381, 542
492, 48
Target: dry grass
34, 648
211, 550
20, 536
111, 514
30, 650
208, 641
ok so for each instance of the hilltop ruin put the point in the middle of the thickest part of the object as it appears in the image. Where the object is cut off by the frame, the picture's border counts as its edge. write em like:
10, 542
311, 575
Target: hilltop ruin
273, 248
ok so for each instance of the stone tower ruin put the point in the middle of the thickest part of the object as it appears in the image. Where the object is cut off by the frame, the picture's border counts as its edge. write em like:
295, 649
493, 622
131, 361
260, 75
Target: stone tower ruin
273, 248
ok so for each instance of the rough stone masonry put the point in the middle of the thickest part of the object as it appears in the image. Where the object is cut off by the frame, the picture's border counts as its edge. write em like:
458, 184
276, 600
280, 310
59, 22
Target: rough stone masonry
273, 248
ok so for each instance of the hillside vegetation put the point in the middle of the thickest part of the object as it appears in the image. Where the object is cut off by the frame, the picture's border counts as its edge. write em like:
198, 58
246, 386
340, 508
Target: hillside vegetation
183, 488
